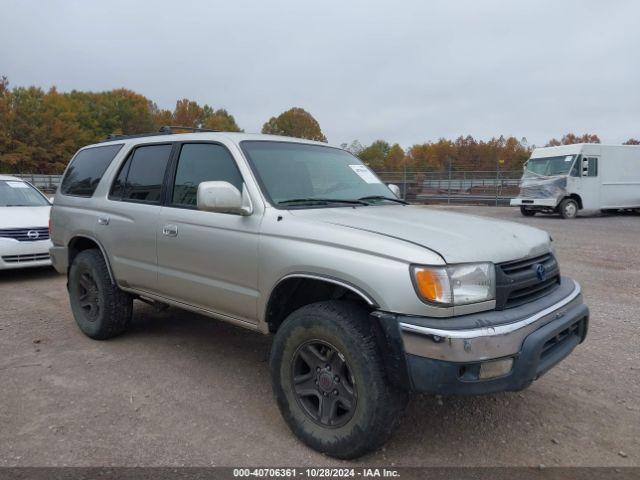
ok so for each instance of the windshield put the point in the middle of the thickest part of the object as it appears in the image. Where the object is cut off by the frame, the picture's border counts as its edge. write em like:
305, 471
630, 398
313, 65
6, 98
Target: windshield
297, 174
15, 193
549, 166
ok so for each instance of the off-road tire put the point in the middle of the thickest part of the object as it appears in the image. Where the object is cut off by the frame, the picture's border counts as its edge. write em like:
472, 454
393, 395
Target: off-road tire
113, 307
527, 212
568, 208
378, 405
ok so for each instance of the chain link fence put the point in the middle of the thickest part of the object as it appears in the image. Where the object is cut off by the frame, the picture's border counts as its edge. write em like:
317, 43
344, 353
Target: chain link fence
486, 187
45, 183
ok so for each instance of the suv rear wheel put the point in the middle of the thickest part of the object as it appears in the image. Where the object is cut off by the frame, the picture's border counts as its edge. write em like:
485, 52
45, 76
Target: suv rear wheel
99, 307
329, 380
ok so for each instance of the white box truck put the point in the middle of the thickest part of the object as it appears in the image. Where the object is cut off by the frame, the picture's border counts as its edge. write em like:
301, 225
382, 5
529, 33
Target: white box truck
569, 178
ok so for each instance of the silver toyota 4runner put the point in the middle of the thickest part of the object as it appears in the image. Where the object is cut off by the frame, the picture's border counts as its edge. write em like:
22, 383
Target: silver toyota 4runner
367, 298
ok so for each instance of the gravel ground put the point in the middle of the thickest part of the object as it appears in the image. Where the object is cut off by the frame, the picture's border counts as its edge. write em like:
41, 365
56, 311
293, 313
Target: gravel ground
181, 389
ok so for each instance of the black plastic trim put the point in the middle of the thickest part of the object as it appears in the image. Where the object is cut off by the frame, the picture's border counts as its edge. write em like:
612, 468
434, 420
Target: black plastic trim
442, 377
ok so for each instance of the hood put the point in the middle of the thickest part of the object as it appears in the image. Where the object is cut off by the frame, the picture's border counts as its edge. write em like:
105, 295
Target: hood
23, 217
457, 237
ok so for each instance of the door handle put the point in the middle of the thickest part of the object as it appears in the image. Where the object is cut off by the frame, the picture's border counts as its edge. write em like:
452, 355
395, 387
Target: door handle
170, 230
103, 220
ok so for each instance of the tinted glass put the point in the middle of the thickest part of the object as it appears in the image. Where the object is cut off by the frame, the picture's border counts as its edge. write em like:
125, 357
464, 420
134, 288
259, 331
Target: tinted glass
201, 163
117, 189
86, 170
291, 171
15, 193
146, 173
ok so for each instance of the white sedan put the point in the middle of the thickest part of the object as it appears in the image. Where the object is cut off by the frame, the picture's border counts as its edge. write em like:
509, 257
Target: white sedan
24, 225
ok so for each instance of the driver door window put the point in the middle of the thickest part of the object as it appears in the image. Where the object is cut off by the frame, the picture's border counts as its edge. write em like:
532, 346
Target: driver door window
202, 162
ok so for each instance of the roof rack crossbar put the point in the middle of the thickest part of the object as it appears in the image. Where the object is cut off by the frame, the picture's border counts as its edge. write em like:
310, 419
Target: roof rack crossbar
171, 128
165, 130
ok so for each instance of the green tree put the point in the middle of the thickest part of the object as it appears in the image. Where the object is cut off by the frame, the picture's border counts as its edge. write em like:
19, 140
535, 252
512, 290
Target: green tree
395, 159
375, 154
295, 122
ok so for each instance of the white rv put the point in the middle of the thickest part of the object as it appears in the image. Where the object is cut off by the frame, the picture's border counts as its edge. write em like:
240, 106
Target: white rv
587, 176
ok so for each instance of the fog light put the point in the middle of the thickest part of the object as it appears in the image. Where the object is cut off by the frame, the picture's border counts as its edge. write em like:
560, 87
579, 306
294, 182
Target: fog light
496, 368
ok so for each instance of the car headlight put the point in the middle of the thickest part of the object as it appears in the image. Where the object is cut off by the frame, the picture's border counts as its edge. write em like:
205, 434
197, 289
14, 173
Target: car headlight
455, 284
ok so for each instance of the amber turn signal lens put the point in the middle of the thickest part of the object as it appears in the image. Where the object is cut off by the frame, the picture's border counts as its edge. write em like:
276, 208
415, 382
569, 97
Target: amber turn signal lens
433, 285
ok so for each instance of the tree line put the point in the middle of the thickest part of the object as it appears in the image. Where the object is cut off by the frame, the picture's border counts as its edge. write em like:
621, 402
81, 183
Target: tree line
41, 130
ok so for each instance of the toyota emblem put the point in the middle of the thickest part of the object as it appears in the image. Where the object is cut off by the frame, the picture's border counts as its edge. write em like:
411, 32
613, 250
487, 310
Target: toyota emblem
541, 272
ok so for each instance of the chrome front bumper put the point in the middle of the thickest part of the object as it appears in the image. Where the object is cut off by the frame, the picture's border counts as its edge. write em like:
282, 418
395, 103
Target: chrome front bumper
483, 343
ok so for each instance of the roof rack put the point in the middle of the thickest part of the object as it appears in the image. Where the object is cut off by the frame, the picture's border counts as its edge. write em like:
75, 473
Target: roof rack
165, 130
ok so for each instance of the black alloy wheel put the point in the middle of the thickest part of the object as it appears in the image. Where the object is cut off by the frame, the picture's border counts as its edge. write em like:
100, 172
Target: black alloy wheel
323, 383
88, 296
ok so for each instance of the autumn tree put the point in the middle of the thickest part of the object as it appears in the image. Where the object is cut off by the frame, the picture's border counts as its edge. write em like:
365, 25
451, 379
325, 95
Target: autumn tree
296, 122
5, 121
40, 131
571, 138
467, 153
632, 141
189, 114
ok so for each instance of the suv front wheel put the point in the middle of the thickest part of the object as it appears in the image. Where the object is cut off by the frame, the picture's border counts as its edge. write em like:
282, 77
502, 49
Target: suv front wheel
99, 307
329, 380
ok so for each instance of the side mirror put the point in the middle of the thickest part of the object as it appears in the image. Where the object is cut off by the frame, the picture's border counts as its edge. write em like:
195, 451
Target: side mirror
395, 189
51, 200
222, 197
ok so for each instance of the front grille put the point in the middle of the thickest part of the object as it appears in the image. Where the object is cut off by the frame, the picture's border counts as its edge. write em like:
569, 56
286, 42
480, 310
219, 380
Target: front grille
518, 282
31, 257
31, 234
537, 191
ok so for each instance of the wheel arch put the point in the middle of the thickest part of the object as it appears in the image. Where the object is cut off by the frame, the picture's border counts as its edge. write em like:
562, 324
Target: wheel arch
577, 198
82, 242
295, 290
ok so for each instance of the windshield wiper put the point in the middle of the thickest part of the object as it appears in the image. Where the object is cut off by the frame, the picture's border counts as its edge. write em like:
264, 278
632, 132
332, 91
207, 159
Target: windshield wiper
323, 201
382, 197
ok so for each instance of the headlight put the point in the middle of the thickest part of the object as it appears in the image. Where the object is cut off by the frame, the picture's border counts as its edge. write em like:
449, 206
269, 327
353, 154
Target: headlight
455, 284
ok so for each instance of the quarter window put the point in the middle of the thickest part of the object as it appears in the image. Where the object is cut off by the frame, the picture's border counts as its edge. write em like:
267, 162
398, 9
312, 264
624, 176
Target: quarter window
202, 162
86, 170
140, 178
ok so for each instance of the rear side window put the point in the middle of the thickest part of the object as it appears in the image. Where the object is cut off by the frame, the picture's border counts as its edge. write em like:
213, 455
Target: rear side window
86, 170
140, 178
202, 162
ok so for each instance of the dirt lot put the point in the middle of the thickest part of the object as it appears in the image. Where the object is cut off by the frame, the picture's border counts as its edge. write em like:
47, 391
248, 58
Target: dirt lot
181, 389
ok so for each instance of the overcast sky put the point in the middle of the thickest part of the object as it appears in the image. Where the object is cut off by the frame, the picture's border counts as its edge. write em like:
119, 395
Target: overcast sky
405, 71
